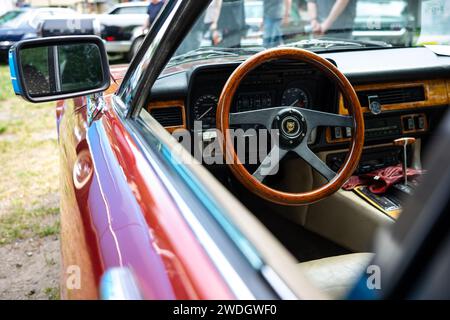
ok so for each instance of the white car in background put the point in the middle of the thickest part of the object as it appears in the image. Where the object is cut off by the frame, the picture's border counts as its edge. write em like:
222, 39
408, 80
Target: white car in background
384, 20
121, 28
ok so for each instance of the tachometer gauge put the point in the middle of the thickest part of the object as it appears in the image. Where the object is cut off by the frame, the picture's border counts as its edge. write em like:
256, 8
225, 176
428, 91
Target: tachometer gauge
205, 109
295, 97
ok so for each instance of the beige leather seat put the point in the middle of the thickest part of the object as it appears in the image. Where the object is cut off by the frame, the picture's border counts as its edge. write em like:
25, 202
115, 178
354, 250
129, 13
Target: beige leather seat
336, 275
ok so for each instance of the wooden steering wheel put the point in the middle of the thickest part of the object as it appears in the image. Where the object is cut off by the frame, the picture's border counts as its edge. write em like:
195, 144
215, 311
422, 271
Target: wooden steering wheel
294, 126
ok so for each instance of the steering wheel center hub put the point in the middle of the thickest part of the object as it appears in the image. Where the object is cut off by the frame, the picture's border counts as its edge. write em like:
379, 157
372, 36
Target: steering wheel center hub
291, 125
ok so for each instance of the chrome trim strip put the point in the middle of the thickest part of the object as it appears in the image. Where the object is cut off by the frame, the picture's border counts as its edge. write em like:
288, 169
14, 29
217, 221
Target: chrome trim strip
119, 284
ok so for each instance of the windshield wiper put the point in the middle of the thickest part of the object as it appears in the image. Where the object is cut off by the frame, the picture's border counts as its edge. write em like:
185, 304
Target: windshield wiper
334, 44
213, 52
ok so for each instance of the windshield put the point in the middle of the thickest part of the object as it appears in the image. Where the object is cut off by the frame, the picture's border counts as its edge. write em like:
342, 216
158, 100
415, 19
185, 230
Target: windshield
9, 16
17, 20
319, 25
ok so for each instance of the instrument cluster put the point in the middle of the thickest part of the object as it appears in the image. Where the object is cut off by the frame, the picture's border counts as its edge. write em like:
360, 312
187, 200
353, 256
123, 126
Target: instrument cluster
281, 84
205, 106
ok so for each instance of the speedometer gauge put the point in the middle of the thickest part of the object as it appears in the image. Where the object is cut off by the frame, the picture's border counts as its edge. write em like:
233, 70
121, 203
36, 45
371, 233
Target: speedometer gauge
205, 109
295, 97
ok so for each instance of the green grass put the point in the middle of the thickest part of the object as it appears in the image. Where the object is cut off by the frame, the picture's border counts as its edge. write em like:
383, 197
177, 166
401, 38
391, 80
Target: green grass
52, 293
29, 166
23, 224
6, 90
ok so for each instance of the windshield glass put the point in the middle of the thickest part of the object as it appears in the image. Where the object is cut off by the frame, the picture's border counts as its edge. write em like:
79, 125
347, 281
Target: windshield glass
19, 19
229, 26
9, 16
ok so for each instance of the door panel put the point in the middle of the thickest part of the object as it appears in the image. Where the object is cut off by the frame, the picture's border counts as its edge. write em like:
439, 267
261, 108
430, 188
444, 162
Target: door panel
123, 237
190, 271
115, 211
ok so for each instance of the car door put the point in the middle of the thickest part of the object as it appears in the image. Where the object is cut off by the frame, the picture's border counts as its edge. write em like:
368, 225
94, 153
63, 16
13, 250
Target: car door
117, 213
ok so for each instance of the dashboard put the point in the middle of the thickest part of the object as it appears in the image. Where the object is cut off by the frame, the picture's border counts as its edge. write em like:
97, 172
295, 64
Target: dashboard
412, 97
399, 97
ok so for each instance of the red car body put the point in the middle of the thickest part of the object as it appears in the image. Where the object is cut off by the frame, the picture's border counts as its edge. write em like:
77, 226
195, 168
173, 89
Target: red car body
121, 218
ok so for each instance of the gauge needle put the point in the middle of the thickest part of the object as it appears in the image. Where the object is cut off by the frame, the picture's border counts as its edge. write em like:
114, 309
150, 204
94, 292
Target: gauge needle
295, 102
204, 114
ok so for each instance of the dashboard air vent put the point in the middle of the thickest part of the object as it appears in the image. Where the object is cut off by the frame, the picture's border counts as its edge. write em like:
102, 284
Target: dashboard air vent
393, 96
168, 116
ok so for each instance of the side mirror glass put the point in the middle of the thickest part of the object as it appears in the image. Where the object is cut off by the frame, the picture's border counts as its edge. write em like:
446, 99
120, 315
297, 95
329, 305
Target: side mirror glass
59, 68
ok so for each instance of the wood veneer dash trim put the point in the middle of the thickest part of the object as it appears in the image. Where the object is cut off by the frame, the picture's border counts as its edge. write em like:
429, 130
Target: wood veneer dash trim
170, 104
437, 93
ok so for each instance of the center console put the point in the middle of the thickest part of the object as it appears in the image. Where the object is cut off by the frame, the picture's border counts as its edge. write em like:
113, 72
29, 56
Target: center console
388, 127
372, 159
375, 158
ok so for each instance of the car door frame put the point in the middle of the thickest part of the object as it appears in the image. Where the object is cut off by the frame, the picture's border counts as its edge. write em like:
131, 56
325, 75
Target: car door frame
117, 140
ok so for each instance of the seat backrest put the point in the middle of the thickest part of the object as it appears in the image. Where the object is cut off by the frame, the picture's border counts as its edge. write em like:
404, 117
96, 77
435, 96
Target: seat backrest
413, 256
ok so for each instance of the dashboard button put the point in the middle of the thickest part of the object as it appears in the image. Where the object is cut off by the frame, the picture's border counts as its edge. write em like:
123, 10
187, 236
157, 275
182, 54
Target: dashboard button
338, 132
411, 125
421, 122
348, 132
408, 123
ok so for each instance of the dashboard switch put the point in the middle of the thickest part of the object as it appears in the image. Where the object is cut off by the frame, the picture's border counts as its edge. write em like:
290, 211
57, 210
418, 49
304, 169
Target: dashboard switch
410, 124
348, 132
338, 132
421, 122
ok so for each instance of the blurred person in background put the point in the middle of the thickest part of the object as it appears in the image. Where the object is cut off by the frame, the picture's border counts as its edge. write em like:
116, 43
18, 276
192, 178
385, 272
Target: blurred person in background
276, 13
153, 10
231, 26
332, 18
212, 21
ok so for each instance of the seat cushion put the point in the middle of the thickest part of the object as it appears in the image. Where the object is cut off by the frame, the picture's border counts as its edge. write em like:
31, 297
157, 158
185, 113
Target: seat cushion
336, 275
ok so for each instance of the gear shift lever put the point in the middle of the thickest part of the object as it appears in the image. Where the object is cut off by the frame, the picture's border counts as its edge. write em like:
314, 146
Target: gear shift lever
404, 142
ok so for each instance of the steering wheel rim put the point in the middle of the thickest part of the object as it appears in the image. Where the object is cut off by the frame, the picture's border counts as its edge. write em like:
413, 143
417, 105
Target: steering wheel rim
253, 182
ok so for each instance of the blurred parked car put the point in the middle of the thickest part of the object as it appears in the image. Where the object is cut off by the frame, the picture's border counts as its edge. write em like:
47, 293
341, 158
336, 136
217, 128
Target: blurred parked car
81, 25
384, 20
25, 24
121, 28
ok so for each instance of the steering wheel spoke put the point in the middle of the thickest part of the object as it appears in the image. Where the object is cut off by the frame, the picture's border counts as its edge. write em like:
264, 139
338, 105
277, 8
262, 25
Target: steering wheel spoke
269, 165
314, 161
262, 116
325, 119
